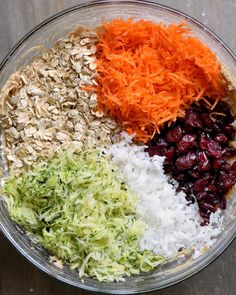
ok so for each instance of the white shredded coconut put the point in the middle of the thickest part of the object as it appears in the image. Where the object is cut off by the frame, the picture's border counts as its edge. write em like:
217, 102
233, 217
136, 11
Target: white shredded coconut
171, 223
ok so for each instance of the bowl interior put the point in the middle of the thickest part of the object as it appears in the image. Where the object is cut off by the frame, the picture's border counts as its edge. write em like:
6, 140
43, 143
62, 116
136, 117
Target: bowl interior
44, 36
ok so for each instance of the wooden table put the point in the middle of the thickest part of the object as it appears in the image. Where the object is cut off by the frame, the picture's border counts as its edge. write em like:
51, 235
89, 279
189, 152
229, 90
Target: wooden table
18, 276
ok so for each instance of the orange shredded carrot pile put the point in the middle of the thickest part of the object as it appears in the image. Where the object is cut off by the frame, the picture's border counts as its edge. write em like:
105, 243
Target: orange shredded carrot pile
149, 74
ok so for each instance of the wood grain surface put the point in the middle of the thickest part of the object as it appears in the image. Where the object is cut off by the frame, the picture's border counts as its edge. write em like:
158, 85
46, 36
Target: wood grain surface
18, 276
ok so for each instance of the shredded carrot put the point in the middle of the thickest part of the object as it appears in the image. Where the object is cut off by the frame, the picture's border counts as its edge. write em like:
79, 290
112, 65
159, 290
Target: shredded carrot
207, 102
149, 74
215, 103
216, 114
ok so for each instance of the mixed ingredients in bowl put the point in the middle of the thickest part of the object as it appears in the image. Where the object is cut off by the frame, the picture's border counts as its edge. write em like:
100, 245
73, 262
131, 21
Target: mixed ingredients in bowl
120, 147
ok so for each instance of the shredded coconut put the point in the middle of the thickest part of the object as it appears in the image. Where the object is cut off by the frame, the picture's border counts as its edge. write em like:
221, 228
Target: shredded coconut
170, 223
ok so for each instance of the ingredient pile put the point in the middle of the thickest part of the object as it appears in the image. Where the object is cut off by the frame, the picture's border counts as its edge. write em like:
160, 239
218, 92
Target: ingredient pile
120, 147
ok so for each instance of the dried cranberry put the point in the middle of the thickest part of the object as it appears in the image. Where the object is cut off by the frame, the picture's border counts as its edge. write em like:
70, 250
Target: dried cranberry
214, 149
205, 221
181, 177
221, 138
187, 142
201, 195
200, 185
229, 151
196, 150
217, 163
174, 135
203, 162
212, 187
157, 149
233, 166
231, 131
205, 215
152, 151
226, 182
194, 173
187, 188
217, 127
210, 197
190, 199
204, 139
192, 119
226, 167
222, 204
223, 107
186, 162
207, 122
168, 153
216, 200
207, 206
208, 177
167, 168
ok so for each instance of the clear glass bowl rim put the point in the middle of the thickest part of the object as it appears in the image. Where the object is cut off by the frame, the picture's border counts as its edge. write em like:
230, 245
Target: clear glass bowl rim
200, 263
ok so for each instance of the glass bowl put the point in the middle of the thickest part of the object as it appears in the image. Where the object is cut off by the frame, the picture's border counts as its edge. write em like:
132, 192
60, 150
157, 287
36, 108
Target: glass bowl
44, 35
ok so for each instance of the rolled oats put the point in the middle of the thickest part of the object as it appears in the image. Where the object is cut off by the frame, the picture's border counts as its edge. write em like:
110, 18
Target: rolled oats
45, 107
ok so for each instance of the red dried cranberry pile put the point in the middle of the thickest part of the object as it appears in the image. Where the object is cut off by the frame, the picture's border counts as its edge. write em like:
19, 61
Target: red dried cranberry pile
197, 149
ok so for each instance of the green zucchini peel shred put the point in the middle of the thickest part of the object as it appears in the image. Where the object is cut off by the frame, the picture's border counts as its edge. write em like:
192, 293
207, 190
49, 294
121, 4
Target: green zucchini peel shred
77, 207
